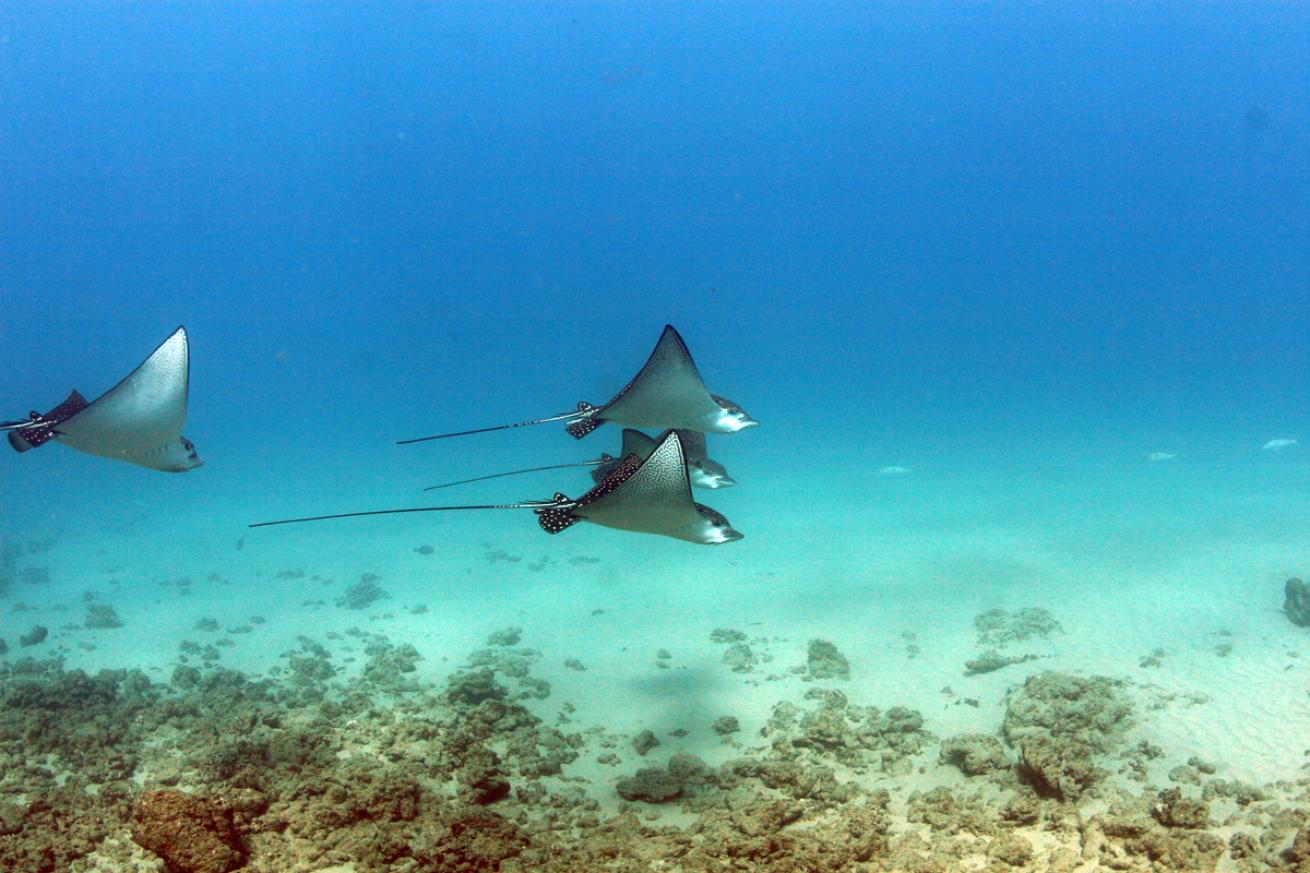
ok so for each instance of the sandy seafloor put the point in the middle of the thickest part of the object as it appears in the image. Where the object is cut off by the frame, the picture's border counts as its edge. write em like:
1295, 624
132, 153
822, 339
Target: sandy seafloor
1132, 558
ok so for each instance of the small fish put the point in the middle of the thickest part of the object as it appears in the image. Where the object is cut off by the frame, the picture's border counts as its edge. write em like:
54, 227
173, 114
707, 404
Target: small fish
1161, 456
1275, 445
895, 471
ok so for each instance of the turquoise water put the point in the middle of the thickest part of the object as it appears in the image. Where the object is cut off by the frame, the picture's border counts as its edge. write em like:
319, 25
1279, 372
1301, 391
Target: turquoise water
1012, 251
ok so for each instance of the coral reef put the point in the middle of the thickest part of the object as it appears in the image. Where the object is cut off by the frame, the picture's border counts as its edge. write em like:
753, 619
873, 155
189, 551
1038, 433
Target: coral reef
381, 766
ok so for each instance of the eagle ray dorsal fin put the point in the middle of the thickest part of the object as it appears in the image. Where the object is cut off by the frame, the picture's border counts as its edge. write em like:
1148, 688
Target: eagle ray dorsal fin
636, 443
667, 391
694, 444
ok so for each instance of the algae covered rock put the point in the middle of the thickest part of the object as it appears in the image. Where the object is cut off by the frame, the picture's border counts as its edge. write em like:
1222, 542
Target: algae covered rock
651, 785
388, 664
362, 593
1296, 602
1175, 811
974, 754
740, 658
1300, 850
1093, 711
996, 627
101, 616
1057, 767
191, 834
35, 636
726, 724
727, 635
508, 636
644, 742
470, 688
661, 785
476, 842
824, 661
11, 819
1059, 722
1011, 849
482, 780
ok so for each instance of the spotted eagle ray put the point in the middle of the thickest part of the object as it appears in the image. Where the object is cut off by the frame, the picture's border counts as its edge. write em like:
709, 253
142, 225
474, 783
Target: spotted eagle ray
668, 392
702, 470
139, 420
644, 496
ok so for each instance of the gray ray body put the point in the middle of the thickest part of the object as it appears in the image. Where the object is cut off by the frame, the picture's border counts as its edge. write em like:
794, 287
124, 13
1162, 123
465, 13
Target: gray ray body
655, 498
651, 495
668, 392
702, 470
139, 420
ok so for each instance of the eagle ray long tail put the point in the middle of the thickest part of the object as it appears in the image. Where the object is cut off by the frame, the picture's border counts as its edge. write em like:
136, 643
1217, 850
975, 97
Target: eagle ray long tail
566, 416
542, 504
515, 473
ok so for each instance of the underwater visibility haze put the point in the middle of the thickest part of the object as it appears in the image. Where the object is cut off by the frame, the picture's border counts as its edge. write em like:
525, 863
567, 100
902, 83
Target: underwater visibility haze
1018, 296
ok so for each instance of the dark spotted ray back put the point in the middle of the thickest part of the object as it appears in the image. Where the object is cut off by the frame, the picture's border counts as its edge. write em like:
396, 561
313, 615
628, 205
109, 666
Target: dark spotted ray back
39, 434
554, 519
583, 426
654, 499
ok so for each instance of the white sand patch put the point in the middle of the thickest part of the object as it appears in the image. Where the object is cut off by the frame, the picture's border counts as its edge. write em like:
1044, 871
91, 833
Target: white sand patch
894, 579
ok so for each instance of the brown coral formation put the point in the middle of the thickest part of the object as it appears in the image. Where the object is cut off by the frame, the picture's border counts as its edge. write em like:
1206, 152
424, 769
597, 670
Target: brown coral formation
191, 834
388, 769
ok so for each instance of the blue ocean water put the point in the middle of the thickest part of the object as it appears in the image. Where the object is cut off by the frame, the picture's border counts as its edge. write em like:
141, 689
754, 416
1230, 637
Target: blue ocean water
1014, 249
973, 236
